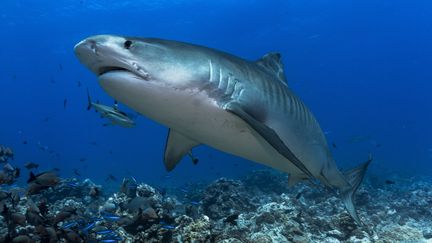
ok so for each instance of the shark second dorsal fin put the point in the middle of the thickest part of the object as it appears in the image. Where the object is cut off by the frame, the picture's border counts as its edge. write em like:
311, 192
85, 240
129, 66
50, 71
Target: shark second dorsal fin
177, 146
272, 63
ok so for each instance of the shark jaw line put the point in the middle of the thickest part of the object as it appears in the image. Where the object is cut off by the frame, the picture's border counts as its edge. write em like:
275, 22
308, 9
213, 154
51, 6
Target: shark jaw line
136, 70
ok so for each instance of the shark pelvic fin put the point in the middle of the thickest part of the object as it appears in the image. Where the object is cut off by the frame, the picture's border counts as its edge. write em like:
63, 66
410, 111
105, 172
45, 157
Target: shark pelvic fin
177, 146
354, 177
272, 62
269, 135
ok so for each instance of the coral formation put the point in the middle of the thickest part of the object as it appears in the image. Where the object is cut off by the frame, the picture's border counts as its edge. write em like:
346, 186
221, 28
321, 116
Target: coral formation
258, 208
6, 153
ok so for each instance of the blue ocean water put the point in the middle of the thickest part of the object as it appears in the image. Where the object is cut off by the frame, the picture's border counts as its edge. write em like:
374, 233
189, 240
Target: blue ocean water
362, 67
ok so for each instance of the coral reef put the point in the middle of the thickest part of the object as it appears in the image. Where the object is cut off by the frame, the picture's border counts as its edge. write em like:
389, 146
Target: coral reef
258, 208
6, 153
225, 197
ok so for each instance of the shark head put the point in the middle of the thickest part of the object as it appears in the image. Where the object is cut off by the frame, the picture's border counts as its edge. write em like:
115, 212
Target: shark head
122, 61
148, 75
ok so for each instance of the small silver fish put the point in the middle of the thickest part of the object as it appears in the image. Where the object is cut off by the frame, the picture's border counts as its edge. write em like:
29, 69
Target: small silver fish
116, 116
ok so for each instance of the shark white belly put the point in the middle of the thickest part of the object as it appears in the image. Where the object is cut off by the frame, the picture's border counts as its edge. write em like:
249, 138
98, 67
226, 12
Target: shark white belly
196, 116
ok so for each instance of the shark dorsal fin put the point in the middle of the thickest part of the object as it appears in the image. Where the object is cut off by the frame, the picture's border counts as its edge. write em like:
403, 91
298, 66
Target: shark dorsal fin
272, 63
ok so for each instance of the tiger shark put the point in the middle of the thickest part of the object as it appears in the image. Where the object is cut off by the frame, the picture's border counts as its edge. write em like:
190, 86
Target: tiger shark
206, 96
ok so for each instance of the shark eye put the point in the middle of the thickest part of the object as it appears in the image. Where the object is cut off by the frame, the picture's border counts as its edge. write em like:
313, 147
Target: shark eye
127, 44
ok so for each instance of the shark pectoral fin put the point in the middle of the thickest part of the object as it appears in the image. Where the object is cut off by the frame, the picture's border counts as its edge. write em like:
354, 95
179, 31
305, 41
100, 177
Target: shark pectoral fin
176, 147
268, 134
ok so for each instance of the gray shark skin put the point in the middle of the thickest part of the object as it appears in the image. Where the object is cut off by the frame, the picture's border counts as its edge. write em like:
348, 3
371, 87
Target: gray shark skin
205, 96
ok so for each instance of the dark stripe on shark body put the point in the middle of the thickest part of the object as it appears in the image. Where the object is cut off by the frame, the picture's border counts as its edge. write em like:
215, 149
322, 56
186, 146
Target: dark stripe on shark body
290, 102
295, 107
270, 90
285, 100
307, 115
265, 89
277, 98
302, 112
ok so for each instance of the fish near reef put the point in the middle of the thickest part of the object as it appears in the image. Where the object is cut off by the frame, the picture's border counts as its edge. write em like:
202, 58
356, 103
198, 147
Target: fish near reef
31, 165
41, 181
206, 96
45, 178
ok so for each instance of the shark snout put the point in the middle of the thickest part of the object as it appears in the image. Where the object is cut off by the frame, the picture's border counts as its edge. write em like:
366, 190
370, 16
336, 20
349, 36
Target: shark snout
87, 53
100, 52
104, 53
84, 46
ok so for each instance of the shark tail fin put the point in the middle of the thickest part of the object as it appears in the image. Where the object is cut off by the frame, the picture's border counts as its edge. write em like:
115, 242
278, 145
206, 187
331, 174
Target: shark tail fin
354, 177
89, 102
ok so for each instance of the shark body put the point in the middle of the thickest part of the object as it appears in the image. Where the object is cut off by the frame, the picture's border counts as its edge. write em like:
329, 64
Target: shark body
206, 96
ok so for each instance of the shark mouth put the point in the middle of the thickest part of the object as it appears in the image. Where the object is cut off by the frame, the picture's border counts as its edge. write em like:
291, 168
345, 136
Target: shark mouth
104, 70
139, 72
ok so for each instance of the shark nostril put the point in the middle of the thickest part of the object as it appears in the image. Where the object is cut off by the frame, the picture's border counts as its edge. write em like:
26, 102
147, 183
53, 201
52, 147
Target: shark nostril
92, 44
